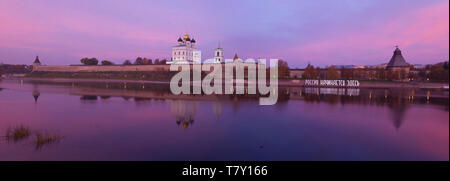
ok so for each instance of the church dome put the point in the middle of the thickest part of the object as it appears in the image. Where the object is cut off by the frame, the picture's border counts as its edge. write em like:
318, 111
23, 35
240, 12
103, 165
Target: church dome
192, 41
180, 40
186, 37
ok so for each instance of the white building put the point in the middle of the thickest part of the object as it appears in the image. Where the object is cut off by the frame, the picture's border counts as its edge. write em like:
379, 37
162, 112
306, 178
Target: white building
185, 51
197, 56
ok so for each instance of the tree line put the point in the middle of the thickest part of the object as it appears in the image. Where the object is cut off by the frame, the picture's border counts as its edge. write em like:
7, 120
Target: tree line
14, 69
138, 61
436, 72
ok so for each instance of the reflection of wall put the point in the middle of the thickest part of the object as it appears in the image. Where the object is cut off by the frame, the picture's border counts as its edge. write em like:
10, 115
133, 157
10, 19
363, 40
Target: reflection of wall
296, 73
184, 111
332, 91
217, 108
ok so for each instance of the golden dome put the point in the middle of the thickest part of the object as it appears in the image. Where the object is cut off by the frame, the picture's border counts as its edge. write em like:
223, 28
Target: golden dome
186, 36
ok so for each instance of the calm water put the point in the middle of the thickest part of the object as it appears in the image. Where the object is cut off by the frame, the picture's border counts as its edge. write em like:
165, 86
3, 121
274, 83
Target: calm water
116, 121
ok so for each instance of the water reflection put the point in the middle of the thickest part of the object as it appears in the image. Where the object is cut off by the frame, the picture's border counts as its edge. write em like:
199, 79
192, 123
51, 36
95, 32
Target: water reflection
217, 109
397, 100
303, 122
398, 108
89, 98
45, 138
184, 112
105, 97
17, 134
183, 107
38, 138
36, 95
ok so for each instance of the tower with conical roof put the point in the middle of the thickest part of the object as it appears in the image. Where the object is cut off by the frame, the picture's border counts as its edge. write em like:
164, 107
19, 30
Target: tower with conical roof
397, 60
36, 63
398, 64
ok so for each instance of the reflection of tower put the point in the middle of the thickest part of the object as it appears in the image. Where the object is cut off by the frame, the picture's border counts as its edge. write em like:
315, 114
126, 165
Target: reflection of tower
217, 108
184, 112
36, 95
398, 105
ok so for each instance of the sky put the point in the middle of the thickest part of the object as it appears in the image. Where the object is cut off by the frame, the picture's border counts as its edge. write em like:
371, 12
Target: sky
319, 32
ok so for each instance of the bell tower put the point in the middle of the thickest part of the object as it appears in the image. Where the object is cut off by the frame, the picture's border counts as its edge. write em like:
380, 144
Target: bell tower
218, 55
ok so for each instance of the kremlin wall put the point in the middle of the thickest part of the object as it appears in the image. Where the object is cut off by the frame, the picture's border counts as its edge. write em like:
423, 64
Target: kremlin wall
101, 68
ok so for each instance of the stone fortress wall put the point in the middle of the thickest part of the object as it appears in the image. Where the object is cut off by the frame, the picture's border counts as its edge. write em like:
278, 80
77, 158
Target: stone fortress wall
123, 68
100, 68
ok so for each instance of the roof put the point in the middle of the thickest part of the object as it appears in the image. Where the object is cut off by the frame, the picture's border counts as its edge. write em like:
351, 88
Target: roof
37, 60
235, 56
397, 59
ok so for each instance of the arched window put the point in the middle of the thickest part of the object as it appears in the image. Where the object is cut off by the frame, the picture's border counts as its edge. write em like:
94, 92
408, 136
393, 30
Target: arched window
218, 53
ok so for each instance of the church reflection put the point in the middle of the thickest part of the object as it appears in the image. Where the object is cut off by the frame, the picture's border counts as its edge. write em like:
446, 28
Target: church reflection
184, 112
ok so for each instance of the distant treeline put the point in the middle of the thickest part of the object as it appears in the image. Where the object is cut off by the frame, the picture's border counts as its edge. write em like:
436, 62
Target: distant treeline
437, 72
138, 61
14, 69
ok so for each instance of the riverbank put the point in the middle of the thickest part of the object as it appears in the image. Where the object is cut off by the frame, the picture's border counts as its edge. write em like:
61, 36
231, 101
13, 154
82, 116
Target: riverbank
282, 83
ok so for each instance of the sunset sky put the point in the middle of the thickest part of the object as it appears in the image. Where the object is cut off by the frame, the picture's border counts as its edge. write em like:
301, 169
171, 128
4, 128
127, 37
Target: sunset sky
359, 32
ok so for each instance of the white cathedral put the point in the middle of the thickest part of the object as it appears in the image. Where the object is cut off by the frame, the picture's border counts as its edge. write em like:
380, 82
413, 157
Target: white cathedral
186, 52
